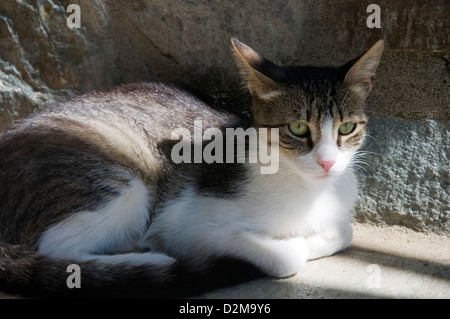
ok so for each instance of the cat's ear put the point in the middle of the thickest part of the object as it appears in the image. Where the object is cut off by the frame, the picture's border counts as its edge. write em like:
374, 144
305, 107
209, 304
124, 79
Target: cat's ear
358, 77
258, 73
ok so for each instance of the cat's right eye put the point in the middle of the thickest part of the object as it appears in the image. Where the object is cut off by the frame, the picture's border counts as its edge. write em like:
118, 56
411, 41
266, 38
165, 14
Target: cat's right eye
347, 128
300, 129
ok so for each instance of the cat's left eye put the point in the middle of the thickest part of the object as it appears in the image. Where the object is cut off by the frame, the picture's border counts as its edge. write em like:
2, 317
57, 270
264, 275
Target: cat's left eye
347, 128
300, 129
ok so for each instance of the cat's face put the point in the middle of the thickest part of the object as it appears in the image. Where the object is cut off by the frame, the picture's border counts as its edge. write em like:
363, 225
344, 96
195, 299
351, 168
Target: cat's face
319, 134
318, 110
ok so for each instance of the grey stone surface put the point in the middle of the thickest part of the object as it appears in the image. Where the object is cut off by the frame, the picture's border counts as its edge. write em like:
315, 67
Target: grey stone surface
188, 43
405, 174
411, 85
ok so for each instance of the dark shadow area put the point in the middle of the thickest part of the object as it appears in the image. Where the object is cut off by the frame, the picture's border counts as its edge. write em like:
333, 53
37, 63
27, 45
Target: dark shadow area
229, 273
416, 265
285, 289
222, 273
182, 284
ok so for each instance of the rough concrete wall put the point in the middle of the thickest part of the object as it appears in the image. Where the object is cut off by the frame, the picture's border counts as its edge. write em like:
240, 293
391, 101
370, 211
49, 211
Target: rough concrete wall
188, 43
406, 178
42, 60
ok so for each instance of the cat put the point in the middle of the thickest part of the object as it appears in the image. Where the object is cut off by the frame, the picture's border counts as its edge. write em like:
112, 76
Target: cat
91, 182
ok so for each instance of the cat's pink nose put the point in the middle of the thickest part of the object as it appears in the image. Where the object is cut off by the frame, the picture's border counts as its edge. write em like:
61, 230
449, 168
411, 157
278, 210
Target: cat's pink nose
326, 165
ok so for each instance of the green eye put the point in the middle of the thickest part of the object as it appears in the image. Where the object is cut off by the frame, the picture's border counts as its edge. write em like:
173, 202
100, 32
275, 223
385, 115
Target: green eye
347, 128
300, 129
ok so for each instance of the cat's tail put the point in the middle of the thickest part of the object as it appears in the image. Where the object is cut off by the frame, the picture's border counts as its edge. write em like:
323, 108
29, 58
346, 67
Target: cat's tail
32, 274
29, 273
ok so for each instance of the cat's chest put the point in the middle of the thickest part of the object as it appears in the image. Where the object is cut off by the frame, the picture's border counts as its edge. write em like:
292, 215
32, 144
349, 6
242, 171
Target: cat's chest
277, 210
278, 213
293, 212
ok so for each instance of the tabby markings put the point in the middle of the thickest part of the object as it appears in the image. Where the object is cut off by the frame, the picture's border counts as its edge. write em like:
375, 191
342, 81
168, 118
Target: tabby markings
241, 146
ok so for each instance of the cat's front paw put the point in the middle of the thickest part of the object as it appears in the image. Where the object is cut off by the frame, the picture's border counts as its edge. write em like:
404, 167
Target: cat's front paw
292, 256
330, 242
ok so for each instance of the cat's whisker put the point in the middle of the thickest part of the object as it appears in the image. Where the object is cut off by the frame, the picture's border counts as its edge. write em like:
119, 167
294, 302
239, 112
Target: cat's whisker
361, 162
361, 168
364, 153
370, 136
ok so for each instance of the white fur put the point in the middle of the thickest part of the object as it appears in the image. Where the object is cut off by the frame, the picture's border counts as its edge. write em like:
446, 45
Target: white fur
115, 227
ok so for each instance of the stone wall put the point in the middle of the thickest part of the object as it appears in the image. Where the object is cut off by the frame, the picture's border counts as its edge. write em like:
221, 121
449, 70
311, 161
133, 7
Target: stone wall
406, 180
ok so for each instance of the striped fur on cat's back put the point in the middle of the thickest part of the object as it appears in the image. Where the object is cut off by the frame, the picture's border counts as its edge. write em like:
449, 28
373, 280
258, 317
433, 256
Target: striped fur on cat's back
92, 182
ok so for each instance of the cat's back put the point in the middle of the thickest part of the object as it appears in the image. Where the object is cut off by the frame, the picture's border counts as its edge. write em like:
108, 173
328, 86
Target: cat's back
88, 150
153, 107
127, 123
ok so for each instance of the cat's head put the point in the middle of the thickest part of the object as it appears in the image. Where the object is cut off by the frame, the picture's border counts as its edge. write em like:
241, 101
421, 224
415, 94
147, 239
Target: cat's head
319, 110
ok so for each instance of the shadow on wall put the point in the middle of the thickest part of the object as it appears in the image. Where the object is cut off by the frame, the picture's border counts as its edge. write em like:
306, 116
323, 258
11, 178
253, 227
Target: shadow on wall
188, 43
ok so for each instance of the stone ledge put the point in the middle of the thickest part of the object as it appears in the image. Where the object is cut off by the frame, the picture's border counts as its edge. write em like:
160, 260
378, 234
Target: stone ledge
382, 262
